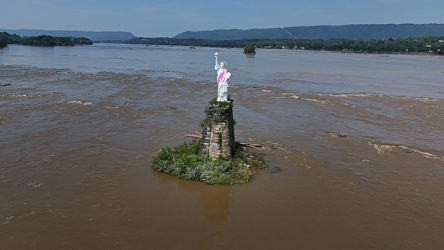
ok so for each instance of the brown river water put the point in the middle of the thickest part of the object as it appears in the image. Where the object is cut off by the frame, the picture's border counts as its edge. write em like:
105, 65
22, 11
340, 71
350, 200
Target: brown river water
354, 146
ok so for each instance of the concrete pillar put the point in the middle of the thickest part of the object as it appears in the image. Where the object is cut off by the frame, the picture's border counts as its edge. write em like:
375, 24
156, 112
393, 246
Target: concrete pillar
218, 131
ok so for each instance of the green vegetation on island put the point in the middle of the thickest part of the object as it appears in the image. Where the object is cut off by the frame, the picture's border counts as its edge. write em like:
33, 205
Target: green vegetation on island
249, 49
422, 44
184, 162
6, 38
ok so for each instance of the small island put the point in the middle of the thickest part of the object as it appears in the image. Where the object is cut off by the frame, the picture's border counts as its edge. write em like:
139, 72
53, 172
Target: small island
184, 162
250, 49
213, 156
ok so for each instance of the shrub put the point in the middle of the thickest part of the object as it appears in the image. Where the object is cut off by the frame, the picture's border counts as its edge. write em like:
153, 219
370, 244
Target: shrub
184, 162
249, 49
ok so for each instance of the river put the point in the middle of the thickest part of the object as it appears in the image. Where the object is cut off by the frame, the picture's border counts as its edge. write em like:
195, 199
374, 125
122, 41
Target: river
354, 144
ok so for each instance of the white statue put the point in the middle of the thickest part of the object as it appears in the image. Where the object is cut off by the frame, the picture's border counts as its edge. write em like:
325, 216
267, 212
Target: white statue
222, 77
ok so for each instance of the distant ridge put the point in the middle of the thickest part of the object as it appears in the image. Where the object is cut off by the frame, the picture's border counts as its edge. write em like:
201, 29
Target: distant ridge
352, 31
92, 35
236, 34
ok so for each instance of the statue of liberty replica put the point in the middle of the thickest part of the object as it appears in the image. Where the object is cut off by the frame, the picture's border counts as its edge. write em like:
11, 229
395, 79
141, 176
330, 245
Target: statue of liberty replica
222, 76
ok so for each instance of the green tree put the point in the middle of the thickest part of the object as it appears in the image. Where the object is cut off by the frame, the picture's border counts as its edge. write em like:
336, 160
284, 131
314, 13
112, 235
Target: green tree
250, 49
55, 41
6, 38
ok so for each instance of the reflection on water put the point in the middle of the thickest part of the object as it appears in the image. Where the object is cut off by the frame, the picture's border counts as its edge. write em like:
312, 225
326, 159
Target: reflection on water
360, 167
214, 199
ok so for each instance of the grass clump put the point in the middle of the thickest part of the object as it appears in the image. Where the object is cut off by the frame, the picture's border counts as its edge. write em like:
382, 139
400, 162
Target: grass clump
184, 162
222, 105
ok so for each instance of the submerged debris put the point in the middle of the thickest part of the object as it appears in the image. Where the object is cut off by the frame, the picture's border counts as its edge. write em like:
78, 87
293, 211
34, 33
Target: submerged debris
275, 170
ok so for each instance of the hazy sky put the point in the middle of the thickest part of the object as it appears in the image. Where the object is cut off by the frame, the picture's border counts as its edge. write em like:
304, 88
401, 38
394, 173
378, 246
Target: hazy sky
154, 18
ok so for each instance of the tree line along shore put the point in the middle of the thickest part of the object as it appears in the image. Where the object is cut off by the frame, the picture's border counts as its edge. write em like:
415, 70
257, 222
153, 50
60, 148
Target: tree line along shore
6, 38
423, 44
433, 45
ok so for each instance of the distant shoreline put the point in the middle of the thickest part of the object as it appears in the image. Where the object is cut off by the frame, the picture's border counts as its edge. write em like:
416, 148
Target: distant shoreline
413, 45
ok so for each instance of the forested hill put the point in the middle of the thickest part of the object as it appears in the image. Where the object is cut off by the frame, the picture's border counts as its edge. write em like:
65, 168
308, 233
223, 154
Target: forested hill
92, 35
353, 31
236, 34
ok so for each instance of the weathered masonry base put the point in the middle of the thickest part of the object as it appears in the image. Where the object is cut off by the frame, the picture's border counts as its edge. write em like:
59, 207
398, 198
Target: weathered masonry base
218, 131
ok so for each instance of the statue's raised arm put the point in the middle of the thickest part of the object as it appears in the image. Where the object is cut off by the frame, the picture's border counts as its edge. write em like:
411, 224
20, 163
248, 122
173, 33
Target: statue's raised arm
216, 66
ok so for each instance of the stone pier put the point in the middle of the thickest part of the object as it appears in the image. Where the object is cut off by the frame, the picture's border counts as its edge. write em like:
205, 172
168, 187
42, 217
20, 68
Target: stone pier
218, 131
